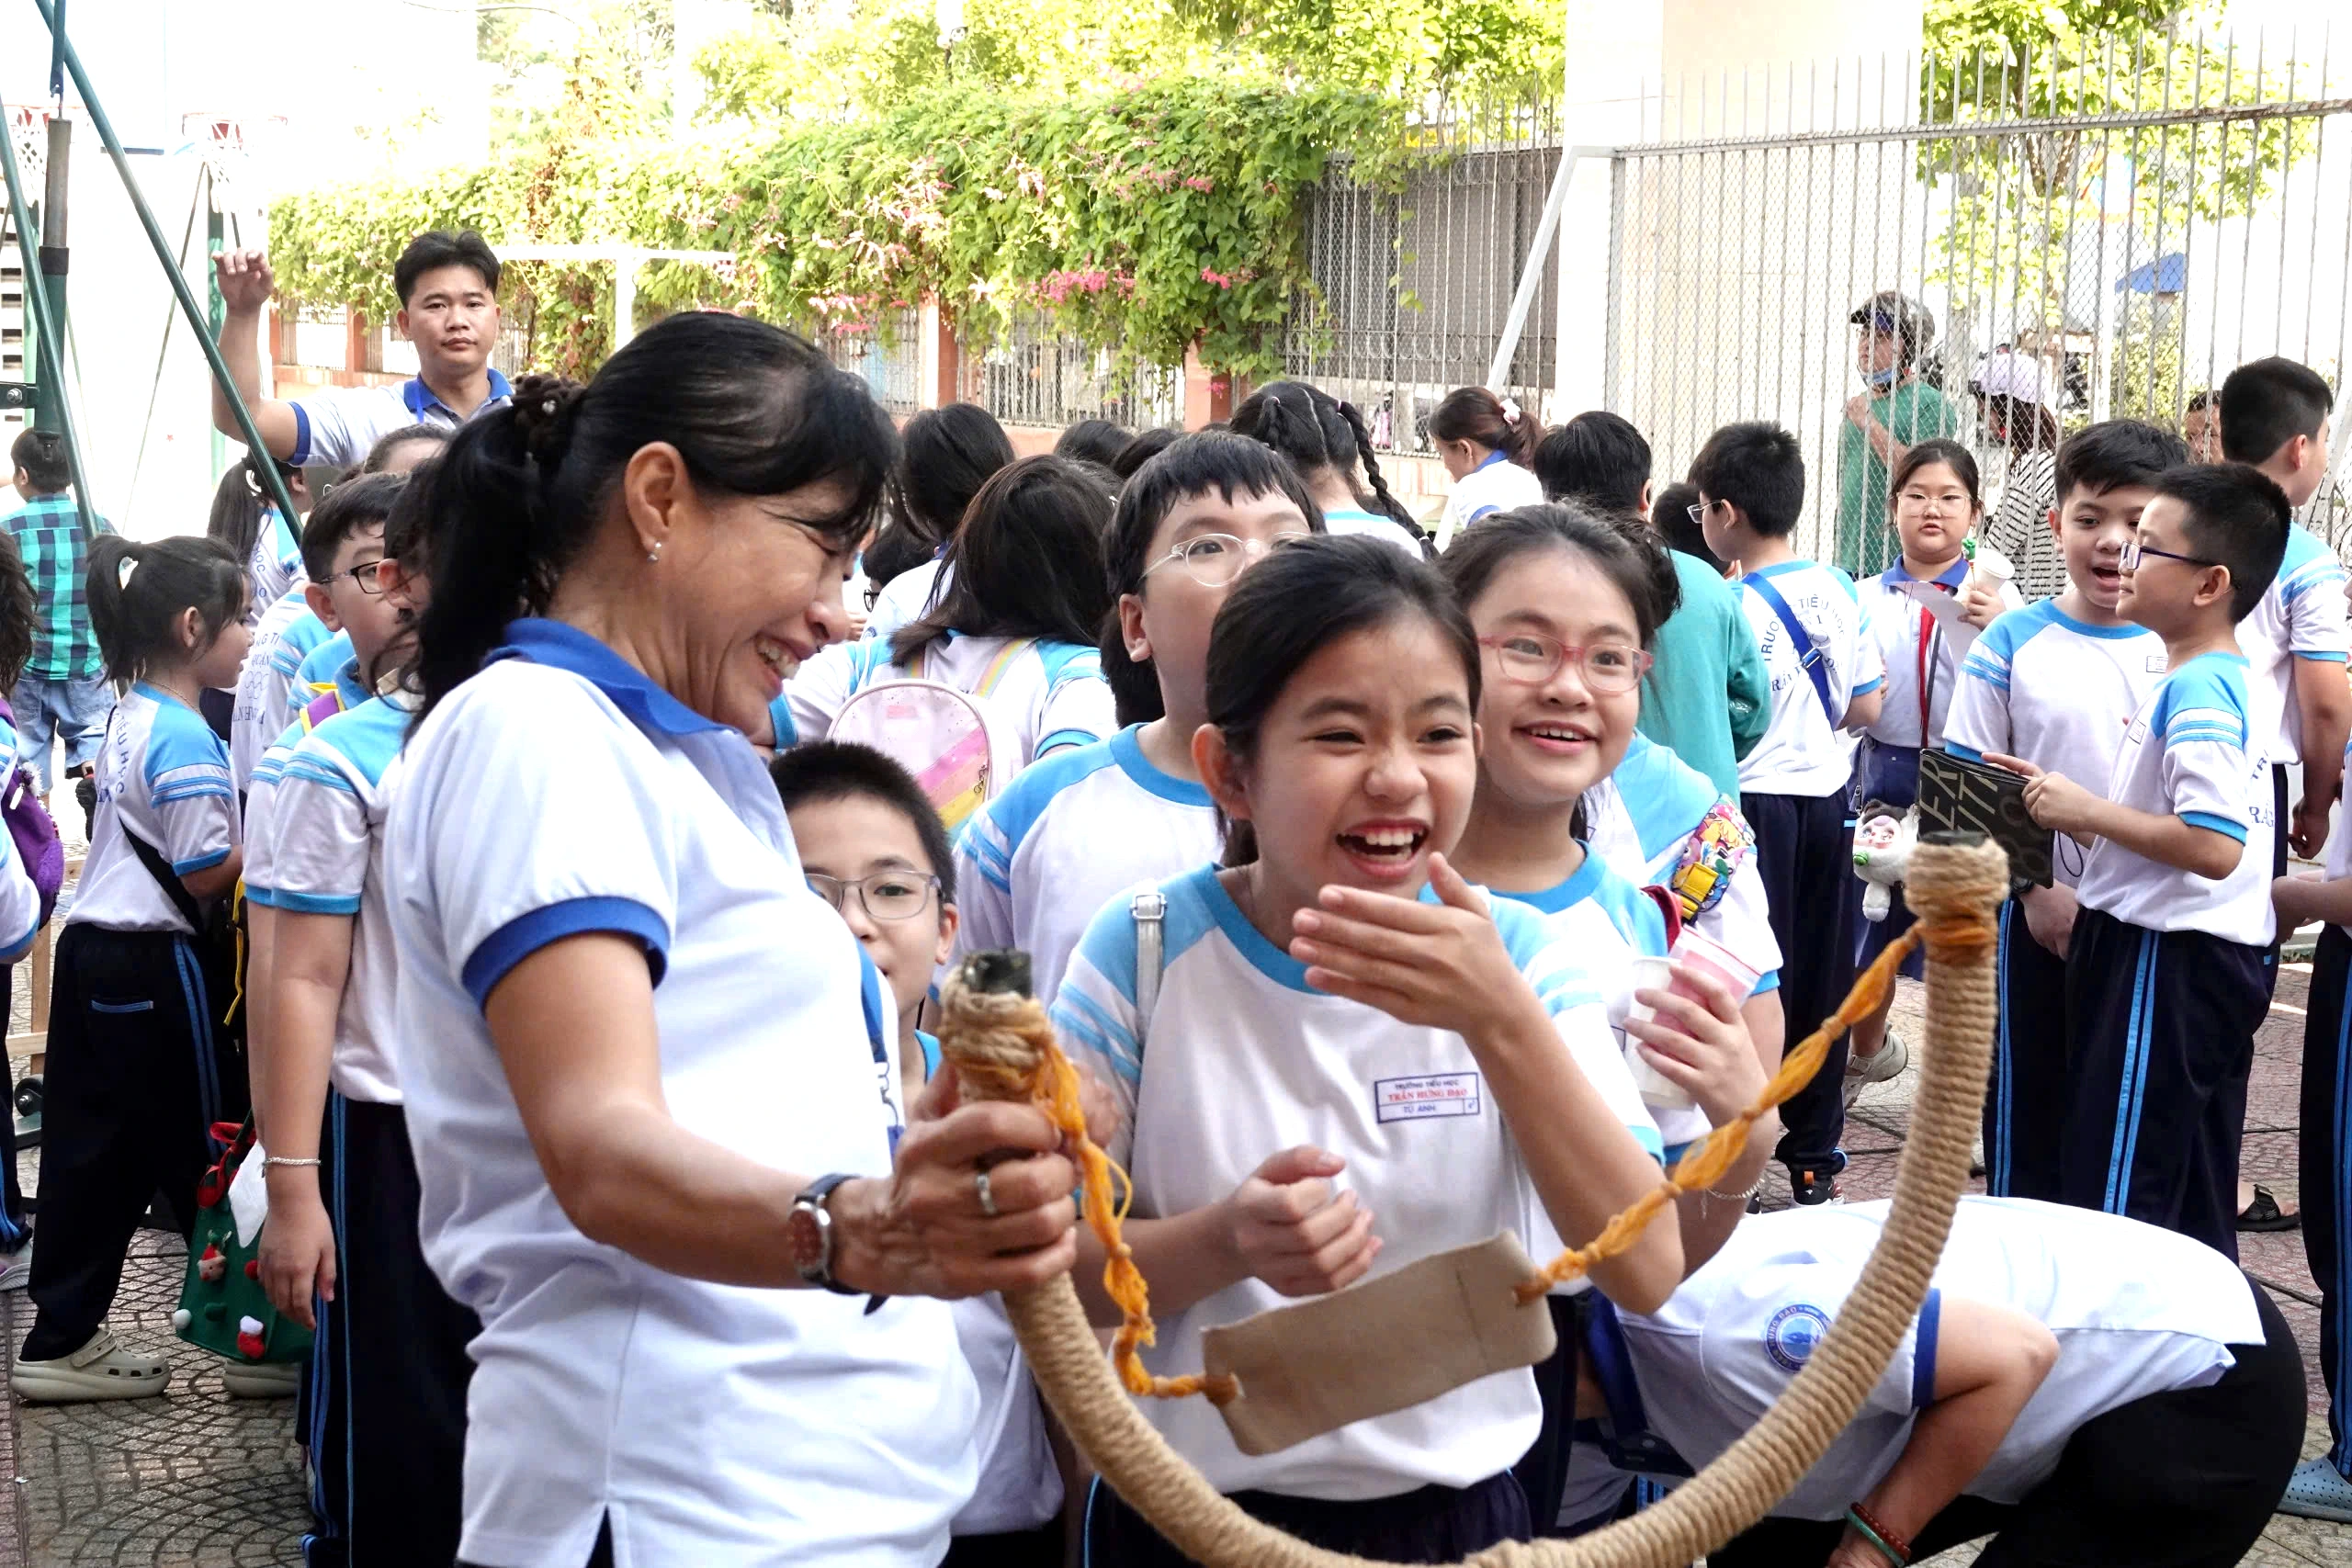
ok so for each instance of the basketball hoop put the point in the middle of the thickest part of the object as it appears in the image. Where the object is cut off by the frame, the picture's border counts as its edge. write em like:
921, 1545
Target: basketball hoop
29, 131
230, 144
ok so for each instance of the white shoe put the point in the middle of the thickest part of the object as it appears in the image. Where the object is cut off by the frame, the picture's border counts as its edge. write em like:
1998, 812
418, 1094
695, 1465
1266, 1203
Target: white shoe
16, 1269
261, 1380
1888, 1062
103, 1369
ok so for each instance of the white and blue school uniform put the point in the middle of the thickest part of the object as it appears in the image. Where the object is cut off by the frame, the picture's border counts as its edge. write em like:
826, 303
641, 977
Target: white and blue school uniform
137, 1074
2167, 975
1375, 524
337, 425
1819, 652
1070, 834
2326, 1177
707, 1425
2059, 693
323, 664
388, 1410
2167, 1356
1045, 696
1496, 485
907, 597
2300, 619
1642, 819
1241, 1059
287, 633
275, 567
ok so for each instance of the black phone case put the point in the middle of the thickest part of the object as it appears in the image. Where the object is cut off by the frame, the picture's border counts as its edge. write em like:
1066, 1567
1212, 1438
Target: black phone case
1957, 794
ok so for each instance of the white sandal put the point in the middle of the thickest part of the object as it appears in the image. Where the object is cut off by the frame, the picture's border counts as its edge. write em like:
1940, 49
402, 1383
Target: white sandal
103, 1369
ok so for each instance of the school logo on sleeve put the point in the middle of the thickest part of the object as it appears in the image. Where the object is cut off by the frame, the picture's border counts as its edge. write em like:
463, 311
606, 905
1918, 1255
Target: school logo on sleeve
1793, 1334
1438, 1094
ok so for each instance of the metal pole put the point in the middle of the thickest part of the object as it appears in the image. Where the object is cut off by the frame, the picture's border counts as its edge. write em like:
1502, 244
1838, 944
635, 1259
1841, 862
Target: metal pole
49, 383
188, 307
1531, 276
50, 341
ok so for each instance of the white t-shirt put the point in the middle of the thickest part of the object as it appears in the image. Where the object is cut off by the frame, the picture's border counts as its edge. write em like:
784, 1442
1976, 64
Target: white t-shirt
336, 425
19, 899
1374, 525
2058, 693
261, 798
1641, 819
274, 569
1802, 752
1244, 1060
712, 1425
1608, 922
287, 633
163, 775
2137, 1310
2186, 754
1047, 697
2301, 617
906, 598
1910, 645
325, 816
1069, 835
1495, 485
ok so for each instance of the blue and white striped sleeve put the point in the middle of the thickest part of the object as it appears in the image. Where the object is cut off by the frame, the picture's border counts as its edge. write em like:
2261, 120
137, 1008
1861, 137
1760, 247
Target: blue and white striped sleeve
1095, 1013
191, 792
319, 855
1870, 659
1570, 994
1979, 719
1077, 709
2205, 775
984, 884
2311, 588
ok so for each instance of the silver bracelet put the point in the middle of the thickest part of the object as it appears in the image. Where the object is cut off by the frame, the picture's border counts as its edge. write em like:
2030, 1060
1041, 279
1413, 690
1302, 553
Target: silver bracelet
1754, 1188
269, 1160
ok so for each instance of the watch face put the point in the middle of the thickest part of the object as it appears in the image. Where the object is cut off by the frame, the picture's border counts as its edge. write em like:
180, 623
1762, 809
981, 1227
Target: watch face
806, 1234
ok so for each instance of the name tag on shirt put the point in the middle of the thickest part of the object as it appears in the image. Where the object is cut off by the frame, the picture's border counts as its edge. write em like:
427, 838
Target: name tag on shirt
1439, 1094
2158, 663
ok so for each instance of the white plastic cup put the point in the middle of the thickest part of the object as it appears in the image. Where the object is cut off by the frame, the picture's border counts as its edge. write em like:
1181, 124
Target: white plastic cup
1991, 570
1655, 1087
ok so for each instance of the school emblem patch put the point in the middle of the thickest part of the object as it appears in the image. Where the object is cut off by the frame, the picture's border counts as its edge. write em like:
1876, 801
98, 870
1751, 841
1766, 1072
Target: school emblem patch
1793, 1334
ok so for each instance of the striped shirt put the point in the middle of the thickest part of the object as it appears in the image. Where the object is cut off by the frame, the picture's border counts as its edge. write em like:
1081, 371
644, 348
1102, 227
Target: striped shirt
57, 557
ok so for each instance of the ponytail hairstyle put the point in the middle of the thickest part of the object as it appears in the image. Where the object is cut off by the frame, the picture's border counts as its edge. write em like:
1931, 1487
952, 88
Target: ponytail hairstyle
945, 454
1315, 431
1189, 466
1027, 562
1477, 415
1625, 550
138, 592
18, 607
242, 500
1292, 606
752, 409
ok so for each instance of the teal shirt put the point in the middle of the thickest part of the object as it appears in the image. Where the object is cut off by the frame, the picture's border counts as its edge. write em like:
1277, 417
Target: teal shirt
1707, 698
1912, 412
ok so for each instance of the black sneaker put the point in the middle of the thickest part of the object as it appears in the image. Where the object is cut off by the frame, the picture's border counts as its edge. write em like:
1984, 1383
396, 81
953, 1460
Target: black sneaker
85, 794
1810, 1189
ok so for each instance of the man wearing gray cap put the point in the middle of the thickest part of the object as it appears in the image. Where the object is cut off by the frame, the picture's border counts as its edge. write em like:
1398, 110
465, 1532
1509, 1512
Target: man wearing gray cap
1881, 423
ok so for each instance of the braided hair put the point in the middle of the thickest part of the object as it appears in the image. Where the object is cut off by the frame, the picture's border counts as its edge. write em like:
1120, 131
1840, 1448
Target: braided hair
1316, 431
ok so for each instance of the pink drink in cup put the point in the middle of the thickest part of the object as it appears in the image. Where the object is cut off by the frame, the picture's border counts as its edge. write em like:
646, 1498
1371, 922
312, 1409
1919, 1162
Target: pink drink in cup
1697, 952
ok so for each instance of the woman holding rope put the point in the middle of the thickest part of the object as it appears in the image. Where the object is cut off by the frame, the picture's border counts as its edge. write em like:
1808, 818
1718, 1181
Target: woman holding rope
650, 1075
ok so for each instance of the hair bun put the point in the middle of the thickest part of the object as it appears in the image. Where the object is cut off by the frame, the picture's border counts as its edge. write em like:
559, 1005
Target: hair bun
545, 407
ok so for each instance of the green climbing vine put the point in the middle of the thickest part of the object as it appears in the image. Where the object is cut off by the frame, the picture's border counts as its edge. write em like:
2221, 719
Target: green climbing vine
1144, 219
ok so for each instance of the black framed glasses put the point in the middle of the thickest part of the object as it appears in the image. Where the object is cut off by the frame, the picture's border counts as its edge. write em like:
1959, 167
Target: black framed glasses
2133, 549
364, 577
886, 894
1532, 659
1217, 560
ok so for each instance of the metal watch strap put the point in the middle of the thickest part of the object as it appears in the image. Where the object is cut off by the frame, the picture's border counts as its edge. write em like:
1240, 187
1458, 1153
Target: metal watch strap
812, 1198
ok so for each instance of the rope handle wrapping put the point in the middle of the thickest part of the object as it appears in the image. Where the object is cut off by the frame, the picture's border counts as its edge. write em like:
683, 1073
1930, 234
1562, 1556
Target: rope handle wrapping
1003, 1049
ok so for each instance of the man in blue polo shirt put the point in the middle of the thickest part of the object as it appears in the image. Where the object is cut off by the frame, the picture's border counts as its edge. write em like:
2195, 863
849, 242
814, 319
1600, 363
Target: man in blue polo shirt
448, 292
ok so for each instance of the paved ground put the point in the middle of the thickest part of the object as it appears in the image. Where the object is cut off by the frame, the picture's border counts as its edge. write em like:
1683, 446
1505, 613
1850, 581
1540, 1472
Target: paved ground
200, 1480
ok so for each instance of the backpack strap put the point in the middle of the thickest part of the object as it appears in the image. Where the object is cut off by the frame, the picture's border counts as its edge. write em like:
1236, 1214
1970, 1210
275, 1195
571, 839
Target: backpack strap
1151, 911
167, 879
1810, 661
1012, 649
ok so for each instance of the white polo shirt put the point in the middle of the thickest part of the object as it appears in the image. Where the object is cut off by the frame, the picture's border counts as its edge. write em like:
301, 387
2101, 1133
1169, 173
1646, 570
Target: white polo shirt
2137, 1310
2058, 693
1377, 525
1047, 697
275, 567
1240, 1060
326, 817
1496, 485
336, 425
1067, 836
1802, 752
163, 774
713, 1425
907, 597
1641, 819
287, 633
2186, 754
1922, 670
2301, 616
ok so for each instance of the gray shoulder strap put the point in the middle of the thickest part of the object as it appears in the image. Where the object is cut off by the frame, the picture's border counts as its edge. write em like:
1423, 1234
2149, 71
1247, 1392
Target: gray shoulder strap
1150, 912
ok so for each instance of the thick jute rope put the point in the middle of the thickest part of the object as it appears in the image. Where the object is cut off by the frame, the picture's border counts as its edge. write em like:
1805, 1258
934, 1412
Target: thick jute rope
1954, 889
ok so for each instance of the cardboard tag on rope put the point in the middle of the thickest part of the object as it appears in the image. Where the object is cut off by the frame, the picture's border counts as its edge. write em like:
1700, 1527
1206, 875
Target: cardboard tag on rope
1381, 1346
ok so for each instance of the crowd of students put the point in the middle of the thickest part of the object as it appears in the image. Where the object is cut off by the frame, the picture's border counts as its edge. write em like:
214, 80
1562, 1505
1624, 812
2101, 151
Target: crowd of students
611, 770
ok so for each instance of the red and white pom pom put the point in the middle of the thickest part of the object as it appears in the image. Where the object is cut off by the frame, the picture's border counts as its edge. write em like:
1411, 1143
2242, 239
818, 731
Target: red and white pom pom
249, 1340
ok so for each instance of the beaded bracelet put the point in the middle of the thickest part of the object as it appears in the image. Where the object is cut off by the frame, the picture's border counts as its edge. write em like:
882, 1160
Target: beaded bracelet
1891, 1546
285, 1159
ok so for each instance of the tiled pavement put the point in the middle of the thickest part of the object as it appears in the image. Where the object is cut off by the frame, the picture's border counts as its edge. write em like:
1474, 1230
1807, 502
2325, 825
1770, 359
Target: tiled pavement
199, 1480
